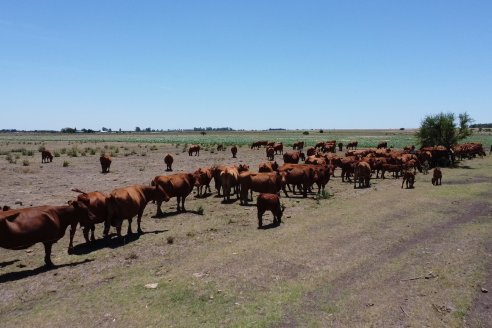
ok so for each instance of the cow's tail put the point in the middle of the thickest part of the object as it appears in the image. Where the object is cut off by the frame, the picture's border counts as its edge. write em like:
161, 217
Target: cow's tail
79, 191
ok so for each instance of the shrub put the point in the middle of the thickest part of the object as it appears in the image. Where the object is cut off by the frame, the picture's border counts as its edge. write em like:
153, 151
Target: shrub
321, 131
305, 133
63, 150
200, 210
170, 239
66, 163
25, 162
56, 154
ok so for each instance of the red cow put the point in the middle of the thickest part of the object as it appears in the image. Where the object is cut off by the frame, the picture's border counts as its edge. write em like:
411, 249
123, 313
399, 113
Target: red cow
194, 149
258, 182
46, 156
258, 144
97, 203
278, 148
22, 228
269, 202
298, 145
234, 151
178, 185
311, 151
203, 176
382, 144
362, 174
125, 203
409, 178
105, 163
229, 179
293, 157
216, 170
352, 144
270, 153
168, 159
268, 167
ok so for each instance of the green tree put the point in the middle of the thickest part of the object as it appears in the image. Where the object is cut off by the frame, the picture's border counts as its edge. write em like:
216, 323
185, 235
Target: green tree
441, 129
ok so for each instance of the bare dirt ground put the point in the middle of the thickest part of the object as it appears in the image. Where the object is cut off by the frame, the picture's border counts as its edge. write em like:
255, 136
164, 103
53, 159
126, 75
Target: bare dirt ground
382, 256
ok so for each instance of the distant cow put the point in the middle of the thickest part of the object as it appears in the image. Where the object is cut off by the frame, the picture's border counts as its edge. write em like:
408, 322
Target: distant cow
382, 144
97, 203
362, 174
203, 176
220, 147
268, 167
298, 145
105, 163
178, 185
278, 148
22, 228
46, 156
340, 146
234, 151
258, 144
194, 149
437, 177
293, 157
270, 153
126, 203
269, 202
352, 144
168, 159
408, 178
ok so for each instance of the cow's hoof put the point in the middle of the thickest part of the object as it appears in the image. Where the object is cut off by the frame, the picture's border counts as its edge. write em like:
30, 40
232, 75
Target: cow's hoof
140, 231
70, 251
48, 264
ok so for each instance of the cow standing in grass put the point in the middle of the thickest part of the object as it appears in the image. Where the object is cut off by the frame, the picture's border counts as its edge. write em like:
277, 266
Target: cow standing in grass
168, 159
269, 202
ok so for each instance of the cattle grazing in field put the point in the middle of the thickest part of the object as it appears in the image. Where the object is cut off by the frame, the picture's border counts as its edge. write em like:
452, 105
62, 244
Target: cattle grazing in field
203, 176
168, 159
436, 177
268, 167
269, 202
270, 153
22, 228
178, 185
362, 175
258, 182
382, 144
347, 164
220, 147
126, 203
105, 161
352, 144
408, 178
293, 157
258, 144
234, 151
302, 176
46, 156
97, 203
194, 149
278, 148
216, 170
299, 145
229, 180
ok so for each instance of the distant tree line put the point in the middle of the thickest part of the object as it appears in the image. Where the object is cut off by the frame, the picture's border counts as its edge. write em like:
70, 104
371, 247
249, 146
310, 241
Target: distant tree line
482, 125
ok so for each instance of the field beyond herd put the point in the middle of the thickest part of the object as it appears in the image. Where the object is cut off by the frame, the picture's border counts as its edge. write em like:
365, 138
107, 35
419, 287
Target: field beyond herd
381, 256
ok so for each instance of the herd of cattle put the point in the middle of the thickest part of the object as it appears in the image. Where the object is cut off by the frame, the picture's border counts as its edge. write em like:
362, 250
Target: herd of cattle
22, 228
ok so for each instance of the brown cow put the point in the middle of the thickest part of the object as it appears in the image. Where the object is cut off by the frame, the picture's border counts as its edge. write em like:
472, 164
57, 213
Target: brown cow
194, 149
293, 157
22, 228
125, 203
168, 159
301, 176
436, 177
216, 170
394, 168
229, 179
362, 174
258, 182
409, 178
97, 203
270, 153
352, 144
340, 146
278, 148
178, 185
258, 144
220, 147
105, 163
46, 156
298, 145
234, 151
6, 208
203, 176
269, 202
382, 144
268, 167
311, 151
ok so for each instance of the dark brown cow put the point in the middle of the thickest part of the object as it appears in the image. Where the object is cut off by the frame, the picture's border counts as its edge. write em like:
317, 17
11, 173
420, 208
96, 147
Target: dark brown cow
105, 161
220, 148
347, 164
408, 178
234, 151
229, 179
168, 159
270, 144
436, 177
298, 145
216, 170
194, 149
340, 146
178, 185
22, 228
394, 168
311, 151
352, 144
203, 176
268, 167
270, 153
269, 202
46, 156
382, 144
258, 144
6, 208
258, 182
293, 157
125, 203
278, 148
298, 175
97, 203
362, 174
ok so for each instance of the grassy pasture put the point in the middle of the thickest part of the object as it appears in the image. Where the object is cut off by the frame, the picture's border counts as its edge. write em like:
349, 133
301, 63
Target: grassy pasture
382, 256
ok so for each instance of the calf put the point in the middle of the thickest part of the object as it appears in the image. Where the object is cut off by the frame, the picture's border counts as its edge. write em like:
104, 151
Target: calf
269, 202
270, 153
168, 159
105, 163
22, 228
437, 177
408, 178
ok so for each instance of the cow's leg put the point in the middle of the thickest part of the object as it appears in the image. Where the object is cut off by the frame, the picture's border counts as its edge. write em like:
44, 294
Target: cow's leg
93, 229
47, 253
73, 227
183, 198
85, 231
129, 231
260, 218
139, 220
178, 200
118, 230
159, 210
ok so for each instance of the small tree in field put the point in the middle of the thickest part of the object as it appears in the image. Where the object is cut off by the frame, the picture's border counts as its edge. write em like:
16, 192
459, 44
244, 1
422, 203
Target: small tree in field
441, 129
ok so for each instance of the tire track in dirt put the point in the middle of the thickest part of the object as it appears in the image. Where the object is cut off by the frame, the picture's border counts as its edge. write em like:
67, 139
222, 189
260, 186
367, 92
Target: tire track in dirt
471, 212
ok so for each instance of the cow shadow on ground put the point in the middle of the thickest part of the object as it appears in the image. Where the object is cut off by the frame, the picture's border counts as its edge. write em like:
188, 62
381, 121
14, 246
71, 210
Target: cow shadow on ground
112, 243
204, 196
7, 263
164, 215
230, 201
269, 226
13, 276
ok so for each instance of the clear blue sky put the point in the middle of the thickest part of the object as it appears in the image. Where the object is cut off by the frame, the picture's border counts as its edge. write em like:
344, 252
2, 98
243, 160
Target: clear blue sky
243, 64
